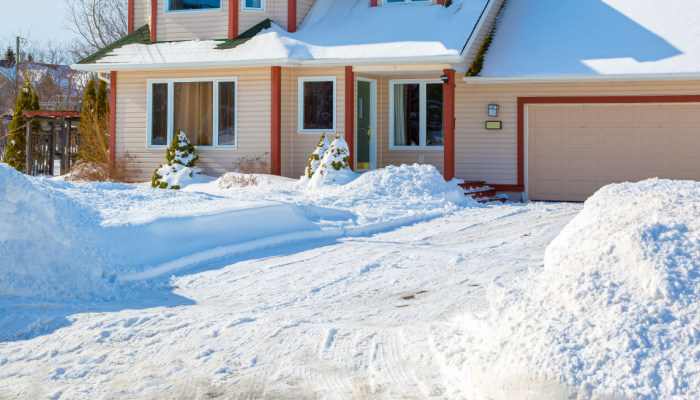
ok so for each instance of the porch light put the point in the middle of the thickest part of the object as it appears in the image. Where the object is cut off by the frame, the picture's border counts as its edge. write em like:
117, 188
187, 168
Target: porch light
445, 79
493, 110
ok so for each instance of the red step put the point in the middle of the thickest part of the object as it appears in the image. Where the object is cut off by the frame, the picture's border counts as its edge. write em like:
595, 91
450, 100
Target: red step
481, 192
471, 185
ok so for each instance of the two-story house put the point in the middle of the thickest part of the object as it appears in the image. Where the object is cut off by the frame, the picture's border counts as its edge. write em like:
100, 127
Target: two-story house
569, 96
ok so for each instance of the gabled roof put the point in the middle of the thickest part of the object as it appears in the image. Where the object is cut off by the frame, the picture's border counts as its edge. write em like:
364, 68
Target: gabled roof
595, 39
334, 32
139, 36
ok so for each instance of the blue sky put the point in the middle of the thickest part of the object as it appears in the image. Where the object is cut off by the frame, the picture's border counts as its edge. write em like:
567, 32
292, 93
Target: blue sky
42, 20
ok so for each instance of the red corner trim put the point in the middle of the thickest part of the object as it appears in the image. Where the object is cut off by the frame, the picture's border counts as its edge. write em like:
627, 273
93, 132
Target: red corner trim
154, 21
523, 101
292, 15
232, 19
112, 121
441, 2
373, 3
130, 23
350, 113
276, 122
448, 124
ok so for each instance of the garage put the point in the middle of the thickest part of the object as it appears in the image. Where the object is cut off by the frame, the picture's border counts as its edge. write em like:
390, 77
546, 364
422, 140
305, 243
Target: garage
575, 149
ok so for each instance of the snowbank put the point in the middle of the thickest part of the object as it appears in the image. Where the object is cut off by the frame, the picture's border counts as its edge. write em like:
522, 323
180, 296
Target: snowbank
46, 250
615, 313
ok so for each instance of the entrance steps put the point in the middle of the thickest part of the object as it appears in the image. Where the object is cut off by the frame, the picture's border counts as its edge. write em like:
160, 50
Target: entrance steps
481, 192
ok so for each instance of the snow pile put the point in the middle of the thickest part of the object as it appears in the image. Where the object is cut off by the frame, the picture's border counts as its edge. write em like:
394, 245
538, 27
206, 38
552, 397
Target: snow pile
333, 167
45, 243
615, 313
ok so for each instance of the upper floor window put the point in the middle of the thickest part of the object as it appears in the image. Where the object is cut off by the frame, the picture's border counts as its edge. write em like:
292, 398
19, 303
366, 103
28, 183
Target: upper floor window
253, 5
188, 5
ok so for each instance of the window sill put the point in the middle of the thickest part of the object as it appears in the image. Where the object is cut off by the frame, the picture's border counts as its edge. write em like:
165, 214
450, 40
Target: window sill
255, 10
316, 131
416, 148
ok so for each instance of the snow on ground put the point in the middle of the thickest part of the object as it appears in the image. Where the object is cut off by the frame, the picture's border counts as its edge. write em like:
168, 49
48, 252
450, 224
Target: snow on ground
391, 32
593, 37
614, 313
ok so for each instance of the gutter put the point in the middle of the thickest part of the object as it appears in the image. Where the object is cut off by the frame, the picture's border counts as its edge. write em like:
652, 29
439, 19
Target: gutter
482, 80
279, 62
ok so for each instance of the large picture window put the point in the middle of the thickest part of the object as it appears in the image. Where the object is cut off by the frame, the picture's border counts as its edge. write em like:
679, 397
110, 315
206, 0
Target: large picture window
253, 5
317, 104
416, 114
189, 5
204, 109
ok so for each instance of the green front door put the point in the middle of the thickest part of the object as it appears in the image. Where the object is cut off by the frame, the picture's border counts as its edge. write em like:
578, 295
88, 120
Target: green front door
363, 126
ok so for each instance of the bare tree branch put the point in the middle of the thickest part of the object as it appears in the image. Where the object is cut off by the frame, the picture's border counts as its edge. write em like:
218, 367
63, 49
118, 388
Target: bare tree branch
97, 23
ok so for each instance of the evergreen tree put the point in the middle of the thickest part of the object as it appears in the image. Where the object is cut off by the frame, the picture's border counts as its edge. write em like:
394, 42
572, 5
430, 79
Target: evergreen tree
10, 54
316, 156
334, 167
27, 100
102, 101
180, 155
90, 98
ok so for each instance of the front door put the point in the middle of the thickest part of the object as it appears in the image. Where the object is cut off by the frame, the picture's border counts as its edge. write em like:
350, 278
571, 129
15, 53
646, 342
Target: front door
365, 127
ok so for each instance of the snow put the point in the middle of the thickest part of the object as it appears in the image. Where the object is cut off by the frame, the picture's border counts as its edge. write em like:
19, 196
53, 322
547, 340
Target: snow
333, 169
614, 312
177, 175
333, 30
393, 285
591, 37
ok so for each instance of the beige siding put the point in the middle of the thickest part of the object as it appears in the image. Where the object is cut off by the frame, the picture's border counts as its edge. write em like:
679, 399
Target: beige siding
192, 25
303, 7
253, 119
301, 145
142, 13
276, 10
492, 155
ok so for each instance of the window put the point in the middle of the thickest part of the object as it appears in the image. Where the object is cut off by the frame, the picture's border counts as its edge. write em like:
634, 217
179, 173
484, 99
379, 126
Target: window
189, 5
317, 104
204, 109
415, 115
253, 5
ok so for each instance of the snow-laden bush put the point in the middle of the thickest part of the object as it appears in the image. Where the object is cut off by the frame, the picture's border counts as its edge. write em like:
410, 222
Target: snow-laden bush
614, 313
180, 168
334, 167
316, 156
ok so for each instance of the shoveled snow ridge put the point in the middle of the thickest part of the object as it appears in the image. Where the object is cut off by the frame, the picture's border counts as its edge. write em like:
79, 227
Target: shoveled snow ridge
615, 313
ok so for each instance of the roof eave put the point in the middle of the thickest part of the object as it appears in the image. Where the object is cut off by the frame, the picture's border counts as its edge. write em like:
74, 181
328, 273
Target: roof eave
284, 62
484, 80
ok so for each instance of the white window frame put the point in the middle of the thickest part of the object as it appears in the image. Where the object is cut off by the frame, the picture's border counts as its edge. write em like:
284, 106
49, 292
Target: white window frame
171, 111
423, 115
262, 8
166, 8
300, 103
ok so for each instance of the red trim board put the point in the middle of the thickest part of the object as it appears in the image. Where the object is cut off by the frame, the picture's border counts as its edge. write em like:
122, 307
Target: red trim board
232, 19
523, 101
130, 23
448, 124
154, 20
276, 121
112, 120
292, 15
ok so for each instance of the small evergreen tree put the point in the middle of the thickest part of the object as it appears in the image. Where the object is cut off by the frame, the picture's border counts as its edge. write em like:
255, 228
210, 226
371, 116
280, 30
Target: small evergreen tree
316, 156
28, 100
334, 167
90, 98
10, 54
181, 157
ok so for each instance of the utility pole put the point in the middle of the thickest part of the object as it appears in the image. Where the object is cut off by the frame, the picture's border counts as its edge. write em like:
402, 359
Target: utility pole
17, 59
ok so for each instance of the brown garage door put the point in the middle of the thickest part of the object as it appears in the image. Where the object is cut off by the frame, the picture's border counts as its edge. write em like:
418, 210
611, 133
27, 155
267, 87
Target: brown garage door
573, 150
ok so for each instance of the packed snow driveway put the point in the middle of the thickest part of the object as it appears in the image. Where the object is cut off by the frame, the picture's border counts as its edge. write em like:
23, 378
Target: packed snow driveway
359, 317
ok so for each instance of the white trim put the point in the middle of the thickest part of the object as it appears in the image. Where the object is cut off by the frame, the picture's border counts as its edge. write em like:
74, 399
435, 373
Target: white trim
270, 62
171, 111
262, 8
372, 121
300, 103
482, 80
422, 120
166, 8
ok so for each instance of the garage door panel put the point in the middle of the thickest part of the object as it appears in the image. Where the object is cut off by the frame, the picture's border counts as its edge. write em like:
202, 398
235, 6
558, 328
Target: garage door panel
573, 150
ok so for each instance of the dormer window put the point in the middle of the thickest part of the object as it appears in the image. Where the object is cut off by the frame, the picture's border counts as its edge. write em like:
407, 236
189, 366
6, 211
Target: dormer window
193, 5
253, 5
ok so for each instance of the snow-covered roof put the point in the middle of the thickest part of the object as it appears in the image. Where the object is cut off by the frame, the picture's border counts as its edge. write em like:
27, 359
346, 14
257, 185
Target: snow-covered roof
608, 38
335, 31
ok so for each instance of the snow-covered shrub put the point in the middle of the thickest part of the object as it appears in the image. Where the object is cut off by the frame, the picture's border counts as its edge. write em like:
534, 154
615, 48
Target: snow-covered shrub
181, 160
316, 156
334, 167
